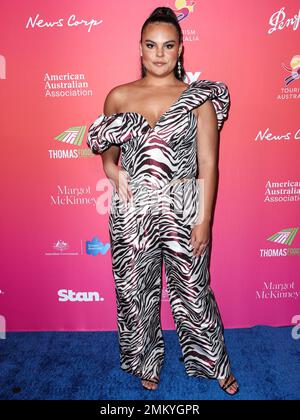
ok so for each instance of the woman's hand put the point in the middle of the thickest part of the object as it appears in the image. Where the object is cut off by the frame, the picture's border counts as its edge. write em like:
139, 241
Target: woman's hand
200, 236
120, 180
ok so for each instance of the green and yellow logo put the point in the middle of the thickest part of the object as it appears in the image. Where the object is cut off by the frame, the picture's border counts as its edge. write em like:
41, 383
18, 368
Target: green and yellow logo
284, 236
72, 135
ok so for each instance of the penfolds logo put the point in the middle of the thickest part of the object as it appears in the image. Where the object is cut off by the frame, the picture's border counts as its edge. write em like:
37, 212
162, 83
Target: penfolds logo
279, 21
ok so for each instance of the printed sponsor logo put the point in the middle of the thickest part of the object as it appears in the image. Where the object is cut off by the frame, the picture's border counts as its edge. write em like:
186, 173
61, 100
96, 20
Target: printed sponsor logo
65, 295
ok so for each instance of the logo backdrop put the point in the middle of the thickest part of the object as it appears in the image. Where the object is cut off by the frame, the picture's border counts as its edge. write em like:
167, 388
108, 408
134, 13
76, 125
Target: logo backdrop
58, 60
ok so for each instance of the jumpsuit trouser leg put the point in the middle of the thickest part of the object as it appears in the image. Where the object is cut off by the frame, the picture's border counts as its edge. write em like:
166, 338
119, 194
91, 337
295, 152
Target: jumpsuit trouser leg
194, 307
193, 304
137, 270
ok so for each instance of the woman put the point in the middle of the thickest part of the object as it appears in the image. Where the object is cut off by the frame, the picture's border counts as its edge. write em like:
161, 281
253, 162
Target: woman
167, 133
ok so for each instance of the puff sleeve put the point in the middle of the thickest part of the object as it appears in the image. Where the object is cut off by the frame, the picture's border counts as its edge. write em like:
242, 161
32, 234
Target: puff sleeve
108, 130
218, 92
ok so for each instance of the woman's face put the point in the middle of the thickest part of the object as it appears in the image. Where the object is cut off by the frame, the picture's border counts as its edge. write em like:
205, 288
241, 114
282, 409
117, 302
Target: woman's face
160, 48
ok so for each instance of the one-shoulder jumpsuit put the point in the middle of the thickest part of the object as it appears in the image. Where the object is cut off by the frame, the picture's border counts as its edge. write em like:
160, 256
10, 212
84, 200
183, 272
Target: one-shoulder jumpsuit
155, 230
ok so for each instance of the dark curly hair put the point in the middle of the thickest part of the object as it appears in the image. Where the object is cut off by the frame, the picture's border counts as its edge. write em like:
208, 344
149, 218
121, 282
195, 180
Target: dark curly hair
165, 14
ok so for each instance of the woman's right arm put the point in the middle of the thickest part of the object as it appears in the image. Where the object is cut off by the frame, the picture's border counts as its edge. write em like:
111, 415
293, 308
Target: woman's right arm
110, 158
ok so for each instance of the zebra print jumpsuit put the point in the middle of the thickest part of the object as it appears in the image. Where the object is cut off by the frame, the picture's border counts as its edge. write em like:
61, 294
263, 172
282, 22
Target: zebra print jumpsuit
155, 230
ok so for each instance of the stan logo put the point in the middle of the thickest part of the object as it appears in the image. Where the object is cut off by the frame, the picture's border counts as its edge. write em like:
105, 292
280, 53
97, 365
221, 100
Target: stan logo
65, 295
72, 135
96, 247
284, 236
293, 69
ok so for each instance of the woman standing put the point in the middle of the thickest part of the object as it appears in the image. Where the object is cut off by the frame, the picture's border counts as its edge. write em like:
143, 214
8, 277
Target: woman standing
167, 134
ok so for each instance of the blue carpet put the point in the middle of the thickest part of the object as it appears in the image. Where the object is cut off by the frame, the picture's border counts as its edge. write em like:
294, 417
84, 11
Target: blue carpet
85, 365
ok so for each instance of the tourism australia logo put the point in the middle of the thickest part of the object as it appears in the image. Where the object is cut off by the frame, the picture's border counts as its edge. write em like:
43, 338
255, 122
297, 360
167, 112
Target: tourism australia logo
183, 8
293, 69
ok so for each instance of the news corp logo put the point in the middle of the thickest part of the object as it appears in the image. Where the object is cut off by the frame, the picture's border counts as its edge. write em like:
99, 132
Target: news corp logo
72, 21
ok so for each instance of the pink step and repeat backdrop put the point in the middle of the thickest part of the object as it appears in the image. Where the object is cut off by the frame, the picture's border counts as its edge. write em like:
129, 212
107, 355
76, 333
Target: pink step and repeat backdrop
58, 60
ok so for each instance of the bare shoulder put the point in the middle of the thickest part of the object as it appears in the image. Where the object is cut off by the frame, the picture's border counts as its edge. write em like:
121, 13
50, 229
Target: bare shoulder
115, 98
120, 96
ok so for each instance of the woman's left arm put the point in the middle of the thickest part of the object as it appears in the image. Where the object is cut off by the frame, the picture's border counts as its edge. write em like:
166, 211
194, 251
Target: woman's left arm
207, 159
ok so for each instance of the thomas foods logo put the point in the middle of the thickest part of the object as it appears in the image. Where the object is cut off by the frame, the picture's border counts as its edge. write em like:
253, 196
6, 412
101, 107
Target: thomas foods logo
72, 135
283, 237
